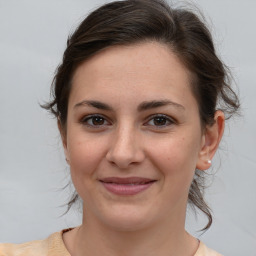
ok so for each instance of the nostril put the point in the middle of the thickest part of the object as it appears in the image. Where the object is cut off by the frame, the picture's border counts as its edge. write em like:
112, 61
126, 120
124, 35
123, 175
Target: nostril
124, 150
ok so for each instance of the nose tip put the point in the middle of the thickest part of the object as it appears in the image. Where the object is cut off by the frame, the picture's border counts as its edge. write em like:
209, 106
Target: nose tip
121, 161
124, 151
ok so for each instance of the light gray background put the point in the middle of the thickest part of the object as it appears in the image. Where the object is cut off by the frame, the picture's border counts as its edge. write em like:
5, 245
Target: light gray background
33, 169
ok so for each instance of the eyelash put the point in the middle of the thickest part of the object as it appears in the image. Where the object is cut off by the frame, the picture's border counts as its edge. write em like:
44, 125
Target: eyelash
165, 118
85, 121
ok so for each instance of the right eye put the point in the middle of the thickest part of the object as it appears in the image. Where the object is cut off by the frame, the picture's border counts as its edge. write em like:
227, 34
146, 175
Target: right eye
96, 121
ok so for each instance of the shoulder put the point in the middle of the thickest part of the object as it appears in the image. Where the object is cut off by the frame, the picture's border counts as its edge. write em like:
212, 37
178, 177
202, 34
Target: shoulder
31, 248
203, 250
53, 245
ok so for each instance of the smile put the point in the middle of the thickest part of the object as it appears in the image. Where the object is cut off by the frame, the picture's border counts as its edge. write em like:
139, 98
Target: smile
126, 186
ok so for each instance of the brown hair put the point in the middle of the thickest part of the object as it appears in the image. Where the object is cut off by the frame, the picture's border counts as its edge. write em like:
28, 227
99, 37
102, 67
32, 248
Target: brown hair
133, 21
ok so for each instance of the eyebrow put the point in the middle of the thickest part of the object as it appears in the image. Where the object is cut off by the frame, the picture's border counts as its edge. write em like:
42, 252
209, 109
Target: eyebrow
95, 104
145, 105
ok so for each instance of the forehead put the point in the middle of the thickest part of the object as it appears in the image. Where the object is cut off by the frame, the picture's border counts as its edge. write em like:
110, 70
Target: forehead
148, 69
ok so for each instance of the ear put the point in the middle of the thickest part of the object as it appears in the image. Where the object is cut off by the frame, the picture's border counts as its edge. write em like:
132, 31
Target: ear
63, 139
210, 141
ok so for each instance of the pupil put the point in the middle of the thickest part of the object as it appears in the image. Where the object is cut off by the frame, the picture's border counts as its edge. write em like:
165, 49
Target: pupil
97, 120
159, 120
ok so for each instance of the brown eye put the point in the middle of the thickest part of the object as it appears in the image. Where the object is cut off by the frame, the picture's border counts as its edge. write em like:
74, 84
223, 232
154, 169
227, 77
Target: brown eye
94, 121
97, 120
159, 120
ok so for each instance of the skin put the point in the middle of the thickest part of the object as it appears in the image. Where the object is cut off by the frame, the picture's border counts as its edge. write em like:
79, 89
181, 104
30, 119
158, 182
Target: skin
128, 140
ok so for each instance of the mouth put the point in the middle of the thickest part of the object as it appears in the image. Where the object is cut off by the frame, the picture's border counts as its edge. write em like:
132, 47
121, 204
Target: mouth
126, 186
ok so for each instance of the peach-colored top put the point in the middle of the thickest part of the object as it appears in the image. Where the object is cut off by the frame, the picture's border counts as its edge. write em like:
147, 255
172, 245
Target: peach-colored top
54, 246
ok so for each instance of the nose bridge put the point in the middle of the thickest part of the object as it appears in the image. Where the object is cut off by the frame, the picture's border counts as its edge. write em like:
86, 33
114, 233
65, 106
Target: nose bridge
125, 147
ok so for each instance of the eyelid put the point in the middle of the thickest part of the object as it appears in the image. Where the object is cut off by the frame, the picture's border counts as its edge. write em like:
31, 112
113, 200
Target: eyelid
85, 119
170, 121
168, 118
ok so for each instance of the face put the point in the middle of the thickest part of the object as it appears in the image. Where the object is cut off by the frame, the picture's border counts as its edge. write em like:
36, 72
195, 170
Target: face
133, 137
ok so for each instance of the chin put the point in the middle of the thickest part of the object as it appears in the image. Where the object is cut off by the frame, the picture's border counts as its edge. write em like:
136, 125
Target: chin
128, 219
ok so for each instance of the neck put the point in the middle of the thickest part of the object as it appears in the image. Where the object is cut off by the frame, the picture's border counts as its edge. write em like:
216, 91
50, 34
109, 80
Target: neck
163, 238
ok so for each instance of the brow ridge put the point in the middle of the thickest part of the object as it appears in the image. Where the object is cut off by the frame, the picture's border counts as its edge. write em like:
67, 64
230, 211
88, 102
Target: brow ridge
146, 105
143, 106
95, 104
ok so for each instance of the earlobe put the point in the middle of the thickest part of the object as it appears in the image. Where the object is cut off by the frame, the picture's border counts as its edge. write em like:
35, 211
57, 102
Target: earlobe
64, 140
211, 140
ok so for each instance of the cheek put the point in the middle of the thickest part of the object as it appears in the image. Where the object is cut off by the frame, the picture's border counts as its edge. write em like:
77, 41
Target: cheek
85, 156
175, 151
176, 160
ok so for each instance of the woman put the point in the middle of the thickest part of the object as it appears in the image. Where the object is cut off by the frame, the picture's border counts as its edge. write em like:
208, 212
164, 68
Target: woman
140, 98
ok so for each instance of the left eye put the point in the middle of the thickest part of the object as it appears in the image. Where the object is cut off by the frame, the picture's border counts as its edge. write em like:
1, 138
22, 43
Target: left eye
95, 120
160, 121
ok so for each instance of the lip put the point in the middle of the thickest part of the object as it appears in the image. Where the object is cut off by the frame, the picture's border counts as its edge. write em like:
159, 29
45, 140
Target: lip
126, 186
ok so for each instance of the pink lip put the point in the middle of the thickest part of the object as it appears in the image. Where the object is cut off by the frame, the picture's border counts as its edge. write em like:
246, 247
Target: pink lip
126, 186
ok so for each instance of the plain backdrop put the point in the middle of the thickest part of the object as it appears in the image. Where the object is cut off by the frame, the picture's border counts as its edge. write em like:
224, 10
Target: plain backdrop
33, 170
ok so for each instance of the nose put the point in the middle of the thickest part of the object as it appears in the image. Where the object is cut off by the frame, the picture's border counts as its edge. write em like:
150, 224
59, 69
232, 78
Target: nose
125, 148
